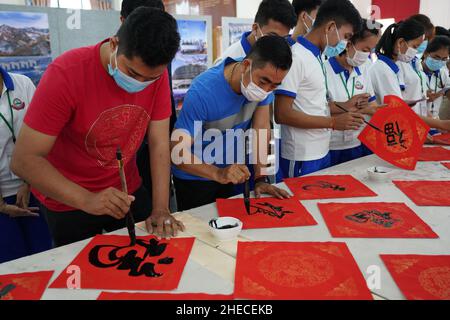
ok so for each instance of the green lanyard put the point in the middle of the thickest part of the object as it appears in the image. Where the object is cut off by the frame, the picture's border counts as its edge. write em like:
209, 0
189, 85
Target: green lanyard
9, 125
324, 73
346, 89
421, 78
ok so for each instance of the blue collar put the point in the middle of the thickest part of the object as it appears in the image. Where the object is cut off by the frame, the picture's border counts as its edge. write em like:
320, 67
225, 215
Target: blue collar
245, 44
290, 41
337, 68
310, 46
390, 63
9, 84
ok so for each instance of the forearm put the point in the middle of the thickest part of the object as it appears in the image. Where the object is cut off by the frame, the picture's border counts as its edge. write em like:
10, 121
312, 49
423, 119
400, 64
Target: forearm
44, 177
160, 172
302, 120
334, 109
261, 149
203, 170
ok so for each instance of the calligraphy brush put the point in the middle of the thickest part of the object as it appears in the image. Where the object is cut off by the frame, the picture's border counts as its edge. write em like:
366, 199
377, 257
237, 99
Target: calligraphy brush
129, 217
247, 183
366, 122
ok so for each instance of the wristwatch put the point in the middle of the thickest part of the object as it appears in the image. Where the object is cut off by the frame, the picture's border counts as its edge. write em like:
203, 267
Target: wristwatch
263, 179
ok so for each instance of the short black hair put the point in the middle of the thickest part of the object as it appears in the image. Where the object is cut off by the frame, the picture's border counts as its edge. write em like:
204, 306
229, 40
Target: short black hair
425, 21
409, 29
369, 28
281, 11
438, 43
340, 11
150, 34
128, 6
271, 49
305, 5
441, 31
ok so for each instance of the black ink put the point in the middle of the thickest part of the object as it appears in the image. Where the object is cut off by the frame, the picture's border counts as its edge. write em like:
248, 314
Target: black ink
324, 185
393, 132
373, 216
269, 209
131, 261
6, 289
213, 224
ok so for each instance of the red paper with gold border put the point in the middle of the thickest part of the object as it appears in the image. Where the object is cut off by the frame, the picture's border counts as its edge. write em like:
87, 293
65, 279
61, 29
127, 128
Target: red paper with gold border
443, 139
266, 213
426, 193
420, 277
374, 220
108, 262
24, 286
328, 187
402, 134
298, 271
434, 154
162, 296
446, 164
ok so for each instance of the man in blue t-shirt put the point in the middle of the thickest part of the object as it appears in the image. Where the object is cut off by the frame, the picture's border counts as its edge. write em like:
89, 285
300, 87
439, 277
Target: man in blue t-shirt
219, 109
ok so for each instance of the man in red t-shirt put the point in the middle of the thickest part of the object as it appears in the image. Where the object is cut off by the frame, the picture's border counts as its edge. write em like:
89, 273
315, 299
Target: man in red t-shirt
90, 101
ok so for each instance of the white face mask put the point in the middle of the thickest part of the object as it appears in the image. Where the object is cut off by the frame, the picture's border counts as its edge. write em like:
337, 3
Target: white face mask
359, 58
408, 56
253, 92
262, 34
308, 29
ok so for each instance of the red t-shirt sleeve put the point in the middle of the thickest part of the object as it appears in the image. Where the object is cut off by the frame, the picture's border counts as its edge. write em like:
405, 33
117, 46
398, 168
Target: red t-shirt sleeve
162, 108
52, 104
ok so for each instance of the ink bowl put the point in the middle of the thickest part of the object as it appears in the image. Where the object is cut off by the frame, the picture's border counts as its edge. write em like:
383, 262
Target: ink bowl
225, 228
380, 174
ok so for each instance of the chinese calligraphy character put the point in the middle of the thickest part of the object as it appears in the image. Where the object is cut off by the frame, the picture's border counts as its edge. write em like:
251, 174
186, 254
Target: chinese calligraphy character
270, 210
373, 216
394, 135
324, 185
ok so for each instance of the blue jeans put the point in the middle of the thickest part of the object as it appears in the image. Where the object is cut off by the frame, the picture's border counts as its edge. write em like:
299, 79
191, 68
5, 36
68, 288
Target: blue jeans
24, 236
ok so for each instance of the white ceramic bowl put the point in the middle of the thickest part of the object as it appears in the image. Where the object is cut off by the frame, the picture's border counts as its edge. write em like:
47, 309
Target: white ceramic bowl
225, 234
380, 174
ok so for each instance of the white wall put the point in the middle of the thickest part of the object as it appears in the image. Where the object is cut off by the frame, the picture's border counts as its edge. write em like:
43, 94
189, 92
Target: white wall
363, 7
247, 8
16, 2
438, 11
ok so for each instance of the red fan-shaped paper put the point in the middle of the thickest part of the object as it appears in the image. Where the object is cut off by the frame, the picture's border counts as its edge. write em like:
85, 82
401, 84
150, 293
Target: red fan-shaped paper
109, 263
374, 220
420, 277
426, 193
24, 286
298, 271
162, 296
446, 164
266, 213
328, 187
401, 134
443, 139
434, 154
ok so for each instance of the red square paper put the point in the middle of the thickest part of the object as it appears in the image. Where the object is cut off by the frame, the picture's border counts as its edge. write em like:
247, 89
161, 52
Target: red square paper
426, 193
396, 134
446, 164
434, 154
374, 220
298, 271
420, 277
266, 213
163, 296
328, 187
24, 286
108, 262
443, 139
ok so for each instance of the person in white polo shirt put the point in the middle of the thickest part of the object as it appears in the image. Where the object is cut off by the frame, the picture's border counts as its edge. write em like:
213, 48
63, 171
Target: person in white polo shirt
274, 17
22, 230
301, 105
345, 80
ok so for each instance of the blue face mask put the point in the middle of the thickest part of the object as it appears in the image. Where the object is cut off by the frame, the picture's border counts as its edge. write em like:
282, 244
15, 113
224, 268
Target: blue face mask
422, 48
433, 64
331, 52
124, 81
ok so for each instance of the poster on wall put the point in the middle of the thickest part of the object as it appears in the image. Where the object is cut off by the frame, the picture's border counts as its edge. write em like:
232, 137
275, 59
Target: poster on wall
25, 43
192, 57
232, 30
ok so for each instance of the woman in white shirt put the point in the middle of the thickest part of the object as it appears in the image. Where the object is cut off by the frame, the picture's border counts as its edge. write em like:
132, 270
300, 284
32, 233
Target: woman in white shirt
346, 80
22, 230
399, 43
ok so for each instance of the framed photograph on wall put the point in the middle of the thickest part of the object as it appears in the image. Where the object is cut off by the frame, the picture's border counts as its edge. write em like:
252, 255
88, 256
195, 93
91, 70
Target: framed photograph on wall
194, 56
232, 30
